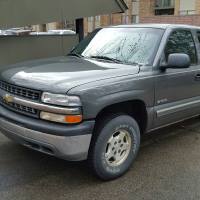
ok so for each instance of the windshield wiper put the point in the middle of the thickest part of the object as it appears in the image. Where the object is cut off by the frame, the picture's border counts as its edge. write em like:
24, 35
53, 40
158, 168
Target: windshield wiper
75, 54
114, 60
107, 58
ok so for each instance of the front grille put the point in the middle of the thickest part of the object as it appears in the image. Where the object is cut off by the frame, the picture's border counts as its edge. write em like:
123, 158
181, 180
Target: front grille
19, 91
20, 108
23, 108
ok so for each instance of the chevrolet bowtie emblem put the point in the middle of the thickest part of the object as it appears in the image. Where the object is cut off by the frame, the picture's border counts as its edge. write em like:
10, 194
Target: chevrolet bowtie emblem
8, 98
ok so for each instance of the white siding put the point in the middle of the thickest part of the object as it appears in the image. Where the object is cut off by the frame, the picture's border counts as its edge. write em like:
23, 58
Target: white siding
187, 5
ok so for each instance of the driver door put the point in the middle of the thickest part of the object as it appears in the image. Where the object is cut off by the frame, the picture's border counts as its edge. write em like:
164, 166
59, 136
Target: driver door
174, 94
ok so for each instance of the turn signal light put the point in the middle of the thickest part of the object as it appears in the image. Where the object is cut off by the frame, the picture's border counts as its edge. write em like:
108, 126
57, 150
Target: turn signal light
73, 119
67, 119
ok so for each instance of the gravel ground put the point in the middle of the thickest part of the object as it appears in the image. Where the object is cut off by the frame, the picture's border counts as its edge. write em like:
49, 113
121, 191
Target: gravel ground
167, 168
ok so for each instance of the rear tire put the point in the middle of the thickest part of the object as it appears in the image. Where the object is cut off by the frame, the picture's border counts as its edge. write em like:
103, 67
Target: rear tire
114, 146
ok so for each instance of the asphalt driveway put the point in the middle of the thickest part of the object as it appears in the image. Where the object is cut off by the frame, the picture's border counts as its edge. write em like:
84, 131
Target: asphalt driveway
167, 168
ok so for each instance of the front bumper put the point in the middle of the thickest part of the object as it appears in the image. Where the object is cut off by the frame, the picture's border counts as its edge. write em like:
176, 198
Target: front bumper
66, 142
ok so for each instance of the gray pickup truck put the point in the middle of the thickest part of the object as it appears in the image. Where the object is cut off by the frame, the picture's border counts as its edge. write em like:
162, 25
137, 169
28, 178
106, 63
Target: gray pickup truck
95, 103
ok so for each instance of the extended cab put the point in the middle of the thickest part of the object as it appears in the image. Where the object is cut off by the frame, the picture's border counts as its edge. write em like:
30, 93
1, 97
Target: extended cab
117, 84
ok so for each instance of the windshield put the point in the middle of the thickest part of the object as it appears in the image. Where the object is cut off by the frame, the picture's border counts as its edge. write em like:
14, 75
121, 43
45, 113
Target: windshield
126, 45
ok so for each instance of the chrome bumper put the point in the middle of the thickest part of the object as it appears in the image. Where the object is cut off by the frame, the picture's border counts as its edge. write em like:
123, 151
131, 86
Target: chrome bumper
73, 148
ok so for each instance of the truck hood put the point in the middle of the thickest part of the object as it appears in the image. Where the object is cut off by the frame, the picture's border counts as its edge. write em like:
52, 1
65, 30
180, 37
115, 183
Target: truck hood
60, 74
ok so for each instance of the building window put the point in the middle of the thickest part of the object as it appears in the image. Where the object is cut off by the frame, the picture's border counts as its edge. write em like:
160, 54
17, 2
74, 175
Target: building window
165, 3
164, 7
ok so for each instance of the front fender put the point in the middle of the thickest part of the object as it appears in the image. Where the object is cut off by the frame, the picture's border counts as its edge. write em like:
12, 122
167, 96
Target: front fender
97, 96
104, 101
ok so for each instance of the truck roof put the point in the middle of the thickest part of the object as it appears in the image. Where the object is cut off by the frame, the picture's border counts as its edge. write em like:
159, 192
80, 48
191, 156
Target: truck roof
159, 26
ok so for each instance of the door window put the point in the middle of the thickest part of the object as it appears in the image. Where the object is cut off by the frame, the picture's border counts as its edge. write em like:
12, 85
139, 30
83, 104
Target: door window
198, 36
181, 41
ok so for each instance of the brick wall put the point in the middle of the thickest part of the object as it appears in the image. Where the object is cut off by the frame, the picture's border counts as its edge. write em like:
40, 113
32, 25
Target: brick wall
112, 19
197, 6
189, 19
177, 7
105, 20
116, 19
146, 8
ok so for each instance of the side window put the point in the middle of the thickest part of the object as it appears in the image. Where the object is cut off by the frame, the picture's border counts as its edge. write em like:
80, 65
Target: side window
181, 41
198, 36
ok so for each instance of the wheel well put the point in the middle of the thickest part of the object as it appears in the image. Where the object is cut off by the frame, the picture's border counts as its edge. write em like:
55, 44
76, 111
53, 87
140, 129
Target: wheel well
136, 109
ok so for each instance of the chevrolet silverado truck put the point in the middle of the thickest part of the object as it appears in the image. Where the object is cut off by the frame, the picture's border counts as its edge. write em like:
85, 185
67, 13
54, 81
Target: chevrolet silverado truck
95, 103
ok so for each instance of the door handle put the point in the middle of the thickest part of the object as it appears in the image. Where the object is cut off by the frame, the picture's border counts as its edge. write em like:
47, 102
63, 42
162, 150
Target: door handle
197, 77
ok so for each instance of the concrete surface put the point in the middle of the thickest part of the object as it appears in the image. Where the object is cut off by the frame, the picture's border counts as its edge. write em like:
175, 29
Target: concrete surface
167, 168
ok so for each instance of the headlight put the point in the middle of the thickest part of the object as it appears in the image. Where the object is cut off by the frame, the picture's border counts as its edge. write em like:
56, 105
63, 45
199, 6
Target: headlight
61, 100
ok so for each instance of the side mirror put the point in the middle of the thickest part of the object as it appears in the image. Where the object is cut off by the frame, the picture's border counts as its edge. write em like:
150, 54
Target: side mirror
177, 61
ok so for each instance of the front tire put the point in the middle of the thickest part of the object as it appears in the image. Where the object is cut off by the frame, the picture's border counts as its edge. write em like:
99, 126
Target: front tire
114, 147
